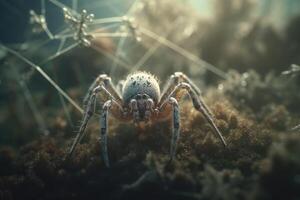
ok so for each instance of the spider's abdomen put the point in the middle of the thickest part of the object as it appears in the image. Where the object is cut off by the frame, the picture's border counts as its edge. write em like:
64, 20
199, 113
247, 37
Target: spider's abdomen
140, 83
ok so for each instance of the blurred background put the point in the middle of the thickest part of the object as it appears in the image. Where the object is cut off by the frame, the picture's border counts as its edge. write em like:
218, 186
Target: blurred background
214, 36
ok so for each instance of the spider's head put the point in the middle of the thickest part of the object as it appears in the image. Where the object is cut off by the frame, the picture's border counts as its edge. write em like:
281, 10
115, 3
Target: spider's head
141, 93
141, 106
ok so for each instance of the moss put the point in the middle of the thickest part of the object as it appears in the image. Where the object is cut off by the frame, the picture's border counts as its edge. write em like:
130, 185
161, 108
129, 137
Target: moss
279, 174
251, 90
277, 118
203, 168
7, 157
202, 164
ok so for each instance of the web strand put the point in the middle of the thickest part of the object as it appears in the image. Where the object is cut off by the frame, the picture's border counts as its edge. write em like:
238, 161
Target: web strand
44, 74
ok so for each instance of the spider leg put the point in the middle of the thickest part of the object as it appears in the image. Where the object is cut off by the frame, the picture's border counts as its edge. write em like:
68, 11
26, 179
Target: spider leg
198, 105
90, 91
175, 79
171, 84
88, 113
105, 80
201, 107
175, 127
119, 86
185, 78
108, 106
103, 131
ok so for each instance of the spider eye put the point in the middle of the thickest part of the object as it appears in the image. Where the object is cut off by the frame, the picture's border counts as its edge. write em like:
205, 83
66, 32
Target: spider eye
144, 96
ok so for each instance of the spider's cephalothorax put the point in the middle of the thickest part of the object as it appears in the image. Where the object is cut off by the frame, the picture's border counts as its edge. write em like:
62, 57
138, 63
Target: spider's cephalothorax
139, 100
140, 94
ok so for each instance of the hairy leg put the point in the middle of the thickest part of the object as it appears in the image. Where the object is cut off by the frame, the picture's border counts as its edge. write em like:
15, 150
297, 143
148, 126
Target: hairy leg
88, 113
171, 84
186, 79
103, 131
175, 79
104, 80
175, 127
119, 86
198, 105
109, 106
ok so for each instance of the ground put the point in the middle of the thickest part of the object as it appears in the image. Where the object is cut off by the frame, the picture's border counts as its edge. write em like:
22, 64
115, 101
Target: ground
260, 162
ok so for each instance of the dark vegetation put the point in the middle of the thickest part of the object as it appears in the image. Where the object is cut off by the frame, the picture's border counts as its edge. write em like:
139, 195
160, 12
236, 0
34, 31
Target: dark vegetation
255, 109
261, 161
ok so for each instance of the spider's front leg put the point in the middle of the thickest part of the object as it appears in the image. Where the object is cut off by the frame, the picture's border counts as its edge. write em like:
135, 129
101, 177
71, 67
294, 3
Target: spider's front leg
88, 113
174, 80
199, 105
104, 80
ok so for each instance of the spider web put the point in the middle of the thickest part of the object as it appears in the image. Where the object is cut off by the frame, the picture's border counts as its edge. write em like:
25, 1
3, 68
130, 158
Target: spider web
81, 28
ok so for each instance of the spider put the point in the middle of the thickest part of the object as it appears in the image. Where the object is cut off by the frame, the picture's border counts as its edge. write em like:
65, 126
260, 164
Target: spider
141, 102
